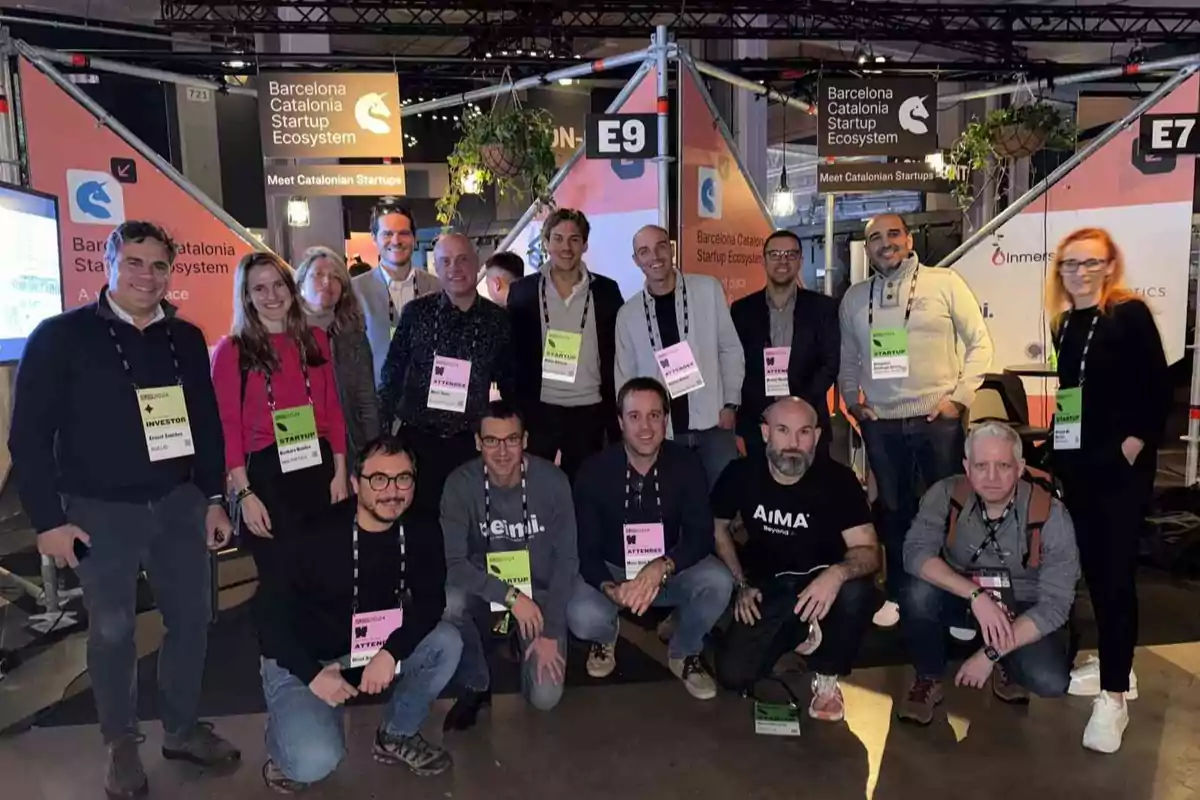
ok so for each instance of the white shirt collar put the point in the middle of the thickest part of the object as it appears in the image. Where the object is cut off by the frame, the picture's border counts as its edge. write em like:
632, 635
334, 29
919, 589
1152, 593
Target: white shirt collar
579, 288
124, 316
388, 281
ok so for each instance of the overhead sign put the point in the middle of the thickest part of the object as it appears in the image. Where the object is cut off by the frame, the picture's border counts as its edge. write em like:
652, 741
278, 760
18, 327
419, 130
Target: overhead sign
1170, 134
877, 117
334, 179
621, 136
330, 115
858, 177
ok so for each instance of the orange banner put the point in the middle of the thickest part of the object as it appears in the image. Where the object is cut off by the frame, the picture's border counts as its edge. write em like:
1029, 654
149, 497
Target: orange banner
723, 224
100, 182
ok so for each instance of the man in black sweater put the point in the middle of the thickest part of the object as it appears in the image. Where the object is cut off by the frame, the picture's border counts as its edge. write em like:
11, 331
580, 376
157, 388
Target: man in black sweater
117, 453
358, 606
646, 538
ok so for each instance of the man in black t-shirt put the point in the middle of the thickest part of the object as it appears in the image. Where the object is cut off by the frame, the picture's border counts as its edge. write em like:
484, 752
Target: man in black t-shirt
809, 553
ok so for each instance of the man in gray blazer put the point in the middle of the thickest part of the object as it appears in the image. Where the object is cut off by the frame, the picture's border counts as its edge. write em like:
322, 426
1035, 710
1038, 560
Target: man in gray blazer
384, 291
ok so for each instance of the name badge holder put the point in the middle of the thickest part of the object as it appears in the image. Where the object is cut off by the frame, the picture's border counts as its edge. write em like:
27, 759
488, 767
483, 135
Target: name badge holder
510, 566
560, 354
889, 346
1068, 403
295, 428
449, 378
643, 542
370, 630
776, 719
163, 409
677, 364
775, 371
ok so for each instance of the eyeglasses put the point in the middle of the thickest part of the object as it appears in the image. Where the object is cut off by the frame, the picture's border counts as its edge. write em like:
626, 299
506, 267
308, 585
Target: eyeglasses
783, 255
492, 442
378, 481
1071, 266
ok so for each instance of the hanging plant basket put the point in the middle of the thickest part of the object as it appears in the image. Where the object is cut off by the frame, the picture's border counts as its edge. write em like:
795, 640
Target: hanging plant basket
502, 160
1019, 141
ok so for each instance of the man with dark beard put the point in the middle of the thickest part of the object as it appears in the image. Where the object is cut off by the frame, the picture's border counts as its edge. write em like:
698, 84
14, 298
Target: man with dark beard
802, 577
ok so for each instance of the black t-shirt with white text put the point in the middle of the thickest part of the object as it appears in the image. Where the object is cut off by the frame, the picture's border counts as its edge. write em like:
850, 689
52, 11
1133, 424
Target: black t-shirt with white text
790, 529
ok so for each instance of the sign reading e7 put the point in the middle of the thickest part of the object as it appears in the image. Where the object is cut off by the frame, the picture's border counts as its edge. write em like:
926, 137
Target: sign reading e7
1170, 134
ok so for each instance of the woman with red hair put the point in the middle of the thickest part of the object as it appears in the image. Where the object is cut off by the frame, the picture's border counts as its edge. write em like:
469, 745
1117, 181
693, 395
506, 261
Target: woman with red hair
1113, 399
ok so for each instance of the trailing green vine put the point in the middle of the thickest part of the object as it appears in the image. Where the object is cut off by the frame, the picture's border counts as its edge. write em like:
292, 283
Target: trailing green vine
510, 148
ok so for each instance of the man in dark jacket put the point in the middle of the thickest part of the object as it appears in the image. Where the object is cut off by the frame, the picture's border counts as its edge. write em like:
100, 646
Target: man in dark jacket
563, 323
791, 340
358, 608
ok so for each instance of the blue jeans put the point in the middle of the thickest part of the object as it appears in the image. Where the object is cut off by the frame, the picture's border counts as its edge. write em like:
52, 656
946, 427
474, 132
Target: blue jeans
472, 616
167, 536
716, 448
899, 452
927, 611
700, 593
305, 737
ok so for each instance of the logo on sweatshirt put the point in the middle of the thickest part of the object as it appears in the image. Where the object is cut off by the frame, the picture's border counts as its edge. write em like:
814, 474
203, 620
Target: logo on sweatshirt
781, 523
503, 529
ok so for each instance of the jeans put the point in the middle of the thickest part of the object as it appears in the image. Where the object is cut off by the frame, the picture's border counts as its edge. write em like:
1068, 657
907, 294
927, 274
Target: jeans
472, 615
900, 450
578, 431
716, 448
166, 536
926, 612
747, 653
305, 736
700, 593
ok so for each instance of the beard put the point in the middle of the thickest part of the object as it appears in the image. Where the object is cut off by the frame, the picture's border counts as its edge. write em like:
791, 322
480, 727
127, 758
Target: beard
792, 463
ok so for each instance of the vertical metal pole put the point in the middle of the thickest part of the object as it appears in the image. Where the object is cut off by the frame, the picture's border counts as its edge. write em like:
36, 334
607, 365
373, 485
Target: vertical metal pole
830, 204
50, 584
1193, 430
10, 152
664, 141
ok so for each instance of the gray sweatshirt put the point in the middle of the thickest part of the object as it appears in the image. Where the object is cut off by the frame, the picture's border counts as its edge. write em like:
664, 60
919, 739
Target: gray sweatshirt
553, 555
1050, 587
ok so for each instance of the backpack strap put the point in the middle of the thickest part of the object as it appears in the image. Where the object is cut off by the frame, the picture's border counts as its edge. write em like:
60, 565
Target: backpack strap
1037, 513
960, 495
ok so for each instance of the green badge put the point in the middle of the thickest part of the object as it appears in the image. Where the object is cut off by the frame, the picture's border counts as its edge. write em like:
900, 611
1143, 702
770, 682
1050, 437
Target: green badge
889, 353
512, 567
296, 437
560, 359
1068, 419
776, 719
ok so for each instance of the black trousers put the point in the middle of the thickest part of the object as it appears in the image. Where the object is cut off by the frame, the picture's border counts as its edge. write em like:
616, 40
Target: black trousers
437, 456
1108, 517
747, 653
578, 431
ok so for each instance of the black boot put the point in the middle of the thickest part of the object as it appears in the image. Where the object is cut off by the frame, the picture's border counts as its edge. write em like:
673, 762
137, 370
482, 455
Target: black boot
466, 708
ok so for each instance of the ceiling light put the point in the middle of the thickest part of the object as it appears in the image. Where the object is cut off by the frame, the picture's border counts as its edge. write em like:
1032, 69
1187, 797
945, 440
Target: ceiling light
298, 215
783, 202
565, 81
471, 182
236, 64
880, 59
487, 55
862, 58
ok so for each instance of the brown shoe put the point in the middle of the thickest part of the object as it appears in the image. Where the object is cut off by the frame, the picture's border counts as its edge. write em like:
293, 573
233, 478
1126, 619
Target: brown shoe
1006, 689
918, 704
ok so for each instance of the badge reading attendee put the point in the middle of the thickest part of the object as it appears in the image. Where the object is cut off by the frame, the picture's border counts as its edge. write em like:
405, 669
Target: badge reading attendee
643, 544
369, 631
512, 567
776, 719
560, 358
165, 422
1068, 419
889, 353
679, 369
448, 384
296, 438
775, 368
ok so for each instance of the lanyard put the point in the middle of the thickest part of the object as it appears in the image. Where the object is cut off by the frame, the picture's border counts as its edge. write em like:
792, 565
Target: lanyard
586, 303
657, 495
993, 528
912, 294
393, 314
307, 384
403, 568
1087, 343
112, 334
650, 326
487, 503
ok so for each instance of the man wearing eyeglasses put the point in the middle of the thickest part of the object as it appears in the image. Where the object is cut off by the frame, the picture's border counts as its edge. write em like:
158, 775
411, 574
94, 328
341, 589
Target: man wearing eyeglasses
357, 609
386, 290
510, 544
791, 341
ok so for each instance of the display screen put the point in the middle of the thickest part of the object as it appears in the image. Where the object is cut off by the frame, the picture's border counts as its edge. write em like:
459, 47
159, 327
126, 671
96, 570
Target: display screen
30, 277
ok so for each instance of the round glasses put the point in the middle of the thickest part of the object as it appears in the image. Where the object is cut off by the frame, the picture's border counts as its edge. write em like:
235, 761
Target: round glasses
378, 481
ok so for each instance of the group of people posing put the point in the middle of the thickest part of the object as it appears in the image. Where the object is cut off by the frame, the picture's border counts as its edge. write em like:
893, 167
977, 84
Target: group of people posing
419, 470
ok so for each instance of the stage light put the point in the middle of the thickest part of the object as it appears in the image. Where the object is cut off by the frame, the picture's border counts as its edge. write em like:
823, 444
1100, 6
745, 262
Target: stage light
236, 64
471, 182
298, 215
565, 81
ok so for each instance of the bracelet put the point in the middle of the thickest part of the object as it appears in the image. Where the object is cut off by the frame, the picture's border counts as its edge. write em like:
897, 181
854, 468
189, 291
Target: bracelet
971, 598
510, 597
243, 494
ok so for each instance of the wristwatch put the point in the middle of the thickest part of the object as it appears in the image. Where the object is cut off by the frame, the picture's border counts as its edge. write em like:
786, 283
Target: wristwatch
510, 597
992, 653
734, 407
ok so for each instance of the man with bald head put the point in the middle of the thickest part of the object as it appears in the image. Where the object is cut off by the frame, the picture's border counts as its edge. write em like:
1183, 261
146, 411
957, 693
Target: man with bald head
678, 330
914, 351
448, 349
802, 577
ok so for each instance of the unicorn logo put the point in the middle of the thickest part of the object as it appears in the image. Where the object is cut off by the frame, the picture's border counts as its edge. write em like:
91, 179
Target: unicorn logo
370, 112
94, 198
912, 111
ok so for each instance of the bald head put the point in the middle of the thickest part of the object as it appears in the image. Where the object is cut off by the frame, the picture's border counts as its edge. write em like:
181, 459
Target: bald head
888, 242
790, 431
791, 410
457, 265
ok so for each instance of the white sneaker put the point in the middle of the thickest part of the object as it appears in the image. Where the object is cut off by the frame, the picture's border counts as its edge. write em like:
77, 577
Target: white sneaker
888, 615
1104, 730
962, 634
810, 645
1085, 680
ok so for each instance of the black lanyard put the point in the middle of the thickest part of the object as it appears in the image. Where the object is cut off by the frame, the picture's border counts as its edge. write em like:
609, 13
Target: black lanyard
399, 593
307, 383
1087, 343
912, 294
657, 495
650, 326
487, 504
112, 334
993, 527
393, 314
586, 303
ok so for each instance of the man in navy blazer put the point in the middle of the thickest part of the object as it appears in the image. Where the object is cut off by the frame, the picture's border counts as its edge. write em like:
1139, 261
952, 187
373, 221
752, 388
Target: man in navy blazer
785, 315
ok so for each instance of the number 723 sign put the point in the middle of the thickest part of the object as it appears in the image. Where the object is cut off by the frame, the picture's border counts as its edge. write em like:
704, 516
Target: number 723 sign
1170, 134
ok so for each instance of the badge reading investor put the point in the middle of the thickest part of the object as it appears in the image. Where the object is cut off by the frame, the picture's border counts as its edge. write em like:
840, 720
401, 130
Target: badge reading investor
165, 422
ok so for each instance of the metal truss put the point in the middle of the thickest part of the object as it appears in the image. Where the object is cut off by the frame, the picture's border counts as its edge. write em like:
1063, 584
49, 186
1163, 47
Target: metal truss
958, 25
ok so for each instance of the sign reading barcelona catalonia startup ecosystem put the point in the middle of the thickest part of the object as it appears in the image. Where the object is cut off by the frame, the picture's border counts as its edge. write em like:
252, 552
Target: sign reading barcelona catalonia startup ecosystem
877, 117
330, 115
